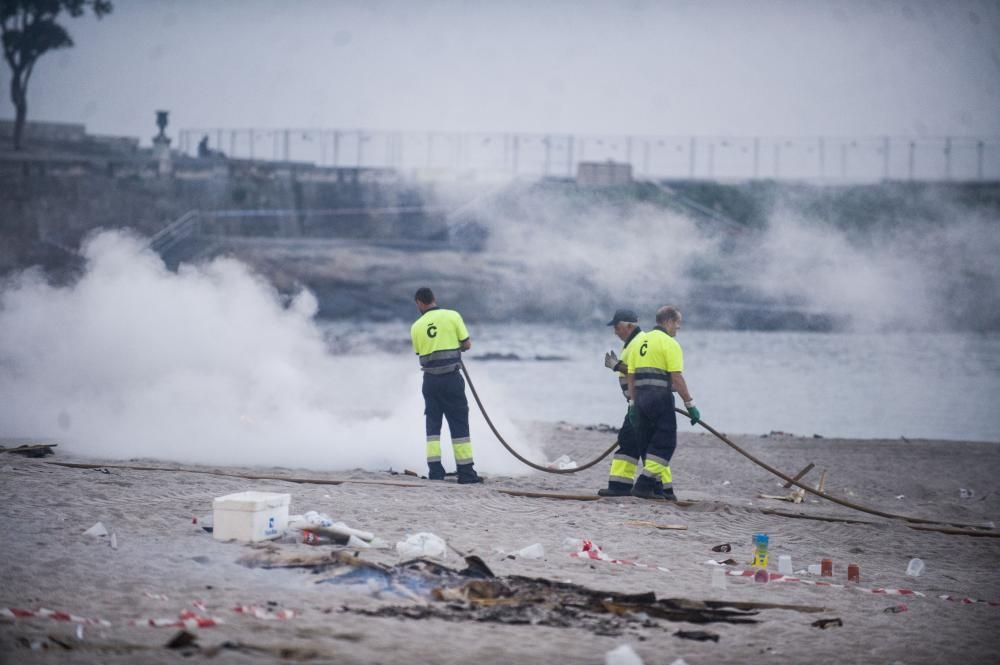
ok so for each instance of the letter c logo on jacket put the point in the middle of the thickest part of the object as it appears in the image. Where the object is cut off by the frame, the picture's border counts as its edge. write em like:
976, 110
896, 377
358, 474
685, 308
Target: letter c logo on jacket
432, 330
642, 349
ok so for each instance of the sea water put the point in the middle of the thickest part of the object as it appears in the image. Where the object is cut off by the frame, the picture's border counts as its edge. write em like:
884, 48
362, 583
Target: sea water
851, 385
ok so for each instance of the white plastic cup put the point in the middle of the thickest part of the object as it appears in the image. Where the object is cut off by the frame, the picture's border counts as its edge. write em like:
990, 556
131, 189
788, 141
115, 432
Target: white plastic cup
915, 568
718, 578
785, 564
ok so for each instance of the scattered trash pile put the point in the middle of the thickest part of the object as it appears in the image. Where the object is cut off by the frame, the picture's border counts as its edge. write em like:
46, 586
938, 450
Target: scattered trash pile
476, 594
315, 528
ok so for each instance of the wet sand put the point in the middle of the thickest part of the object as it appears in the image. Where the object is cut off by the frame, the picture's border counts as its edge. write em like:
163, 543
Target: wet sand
164, 564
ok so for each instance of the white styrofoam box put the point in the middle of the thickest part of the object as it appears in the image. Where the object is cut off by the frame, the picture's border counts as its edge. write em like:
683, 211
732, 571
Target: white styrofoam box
250, 516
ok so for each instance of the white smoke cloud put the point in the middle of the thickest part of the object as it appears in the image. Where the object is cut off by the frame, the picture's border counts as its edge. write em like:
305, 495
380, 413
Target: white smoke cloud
571, 255
567, 256
206, 366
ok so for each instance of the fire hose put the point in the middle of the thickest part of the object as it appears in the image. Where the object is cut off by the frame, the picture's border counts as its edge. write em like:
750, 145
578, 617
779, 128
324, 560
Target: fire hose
724, 439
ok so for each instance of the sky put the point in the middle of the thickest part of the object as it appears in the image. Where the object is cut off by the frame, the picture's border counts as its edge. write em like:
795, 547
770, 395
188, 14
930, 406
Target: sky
771, 68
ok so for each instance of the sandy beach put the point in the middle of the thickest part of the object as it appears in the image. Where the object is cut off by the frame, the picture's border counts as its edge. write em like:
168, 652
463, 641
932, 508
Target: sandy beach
164, 564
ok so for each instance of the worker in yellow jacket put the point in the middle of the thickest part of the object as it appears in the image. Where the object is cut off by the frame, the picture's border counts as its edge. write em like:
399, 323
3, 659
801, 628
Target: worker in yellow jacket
439, 337
655, 372
626, 459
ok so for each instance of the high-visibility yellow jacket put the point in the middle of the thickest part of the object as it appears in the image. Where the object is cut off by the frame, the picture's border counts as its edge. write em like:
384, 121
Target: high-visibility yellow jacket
437, 338
658, 355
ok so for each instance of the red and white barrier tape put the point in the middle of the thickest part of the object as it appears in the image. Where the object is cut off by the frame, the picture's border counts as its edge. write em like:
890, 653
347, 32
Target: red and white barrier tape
186, 619
969, 601
778, 577
590, 550
43, 613
264, 613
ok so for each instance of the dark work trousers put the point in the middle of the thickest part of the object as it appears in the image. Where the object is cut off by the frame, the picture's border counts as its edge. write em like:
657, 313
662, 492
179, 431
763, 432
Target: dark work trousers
628, 439
444, 395
657, 422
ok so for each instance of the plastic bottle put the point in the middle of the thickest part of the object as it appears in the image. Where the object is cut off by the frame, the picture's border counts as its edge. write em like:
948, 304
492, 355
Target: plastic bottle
760, 544
915, 568
785, 564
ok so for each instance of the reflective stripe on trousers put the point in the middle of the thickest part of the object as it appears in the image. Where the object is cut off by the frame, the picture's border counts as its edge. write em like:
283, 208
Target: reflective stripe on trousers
658, 468
433, 449
657, 432
626, 459
462, 447
444, 398
623, 469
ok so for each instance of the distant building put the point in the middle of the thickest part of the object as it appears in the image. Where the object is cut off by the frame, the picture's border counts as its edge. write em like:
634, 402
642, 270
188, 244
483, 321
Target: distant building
45, 131
603, 174
67, 136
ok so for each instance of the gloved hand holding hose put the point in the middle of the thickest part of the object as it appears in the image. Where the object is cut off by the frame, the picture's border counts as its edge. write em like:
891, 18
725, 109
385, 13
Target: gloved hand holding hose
693, 411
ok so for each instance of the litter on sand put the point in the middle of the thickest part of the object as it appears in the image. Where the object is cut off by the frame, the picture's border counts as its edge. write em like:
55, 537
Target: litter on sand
97, 530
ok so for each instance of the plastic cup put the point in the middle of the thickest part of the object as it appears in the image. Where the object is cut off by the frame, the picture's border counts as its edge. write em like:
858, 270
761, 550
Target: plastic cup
826, 567
785, 564
853, 572
915, 568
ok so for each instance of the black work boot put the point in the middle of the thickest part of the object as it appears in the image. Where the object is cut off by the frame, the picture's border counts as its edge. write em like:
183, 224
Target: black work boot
467, 475
435, 471
668, 494
616, 488
647, 488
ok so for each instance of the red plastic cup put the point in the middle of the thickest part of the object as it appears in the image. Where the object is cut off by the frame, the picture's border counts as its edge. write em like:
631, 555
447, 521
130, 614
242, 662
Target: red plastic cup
853, 572
826, 568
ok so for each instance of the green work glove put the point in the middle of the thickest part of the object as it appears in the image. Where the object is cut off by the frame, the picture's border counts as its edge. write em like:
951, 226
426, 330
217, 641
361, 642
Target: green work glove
632, 417
694, 413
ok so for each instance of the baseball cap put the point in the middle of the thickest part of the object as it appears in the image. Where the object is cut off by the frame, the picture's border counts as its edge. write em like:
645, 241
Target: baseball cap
626, 315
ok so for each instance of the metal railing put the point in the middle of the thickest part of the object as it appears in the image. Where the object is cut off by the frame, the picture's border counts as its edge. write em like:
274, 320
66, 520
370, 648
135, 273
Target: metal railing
506, 155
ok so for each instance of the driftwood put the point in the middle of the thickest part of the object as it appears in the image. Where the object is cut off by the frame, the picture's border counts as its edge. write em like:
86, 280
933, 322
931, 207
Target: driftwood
821, 518
31, 450
822, 481
677, 527
918, 527
552, 495
799, 475
287, 479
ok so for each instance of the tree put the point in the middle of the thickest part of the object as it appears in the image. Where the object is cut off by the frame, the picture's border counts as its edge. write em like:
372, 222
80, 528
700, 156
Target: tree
29, 30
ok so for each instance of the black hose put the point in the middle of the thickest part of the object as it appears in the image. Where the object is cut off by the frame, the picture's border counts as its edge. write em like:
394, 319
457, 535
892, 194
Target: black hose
513, 452
724, 439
